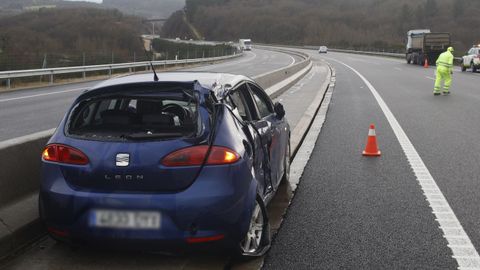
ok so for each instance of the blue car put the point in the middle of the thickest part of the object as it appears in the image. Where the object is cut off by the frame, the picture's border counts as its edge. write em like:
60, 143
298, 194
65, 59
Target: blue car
182, 160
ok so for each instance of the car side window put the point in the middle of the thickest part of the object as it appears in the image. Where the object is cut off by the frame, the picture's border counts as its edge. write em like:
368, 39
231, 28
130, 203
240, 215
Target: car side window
237, 101
263, 103
471, 51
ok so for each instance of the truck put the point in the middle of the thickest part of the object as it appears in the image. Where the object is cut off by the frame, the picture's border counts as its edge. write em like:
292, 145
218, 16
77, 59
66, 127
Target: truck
423, 45
245, 44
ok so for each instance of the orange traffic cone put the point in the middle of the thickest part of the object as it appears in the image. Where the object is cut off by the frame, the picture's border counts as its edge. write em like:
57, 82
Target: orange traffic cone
372, 148
426, 63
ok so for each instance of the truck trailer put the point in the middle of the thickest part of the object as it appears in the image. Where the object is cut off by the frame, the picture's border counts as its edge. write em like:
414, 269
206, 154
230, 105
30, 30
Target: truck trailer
424, 45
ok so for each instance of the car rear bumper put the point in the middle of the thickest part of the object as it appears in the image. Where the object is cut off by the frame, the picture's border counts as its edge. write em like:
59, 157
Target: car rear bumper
211, 210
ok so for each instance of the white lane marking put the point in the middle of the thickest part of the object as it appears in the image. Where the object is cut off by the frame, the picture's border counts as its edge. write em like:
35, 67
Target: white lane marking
305, 80
26, 138
467, 257
228, 63
41, 95
397, 68
306, 149
79, 89
431, 78
293, 60
368, 61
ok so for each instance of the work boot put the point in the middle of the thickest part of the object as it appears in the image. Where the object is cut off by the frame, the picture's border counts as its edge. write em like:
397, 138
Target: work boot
436, 93
446, 93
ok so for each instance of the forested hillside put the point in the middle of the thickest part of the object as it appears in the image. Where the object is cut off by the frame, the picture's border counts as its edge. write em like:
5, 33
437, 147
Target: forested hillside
14, 7
140, 8
66, 35
359, 24
146, 8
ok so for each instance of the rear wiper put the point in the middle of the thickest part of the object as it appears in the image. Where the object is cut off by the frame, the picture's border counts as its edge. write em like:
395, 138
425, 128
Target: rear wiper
146, 136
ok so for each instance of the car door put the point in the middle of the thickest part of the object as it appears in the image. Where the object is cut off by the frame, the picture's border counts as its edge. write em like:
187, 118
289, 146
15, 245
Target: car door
270, 128
240, 100
468, 58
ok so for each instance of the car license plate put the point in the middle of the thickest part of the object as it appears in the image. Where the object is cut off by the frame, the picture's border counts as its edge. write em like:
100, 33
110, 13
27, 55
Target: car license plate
125, 219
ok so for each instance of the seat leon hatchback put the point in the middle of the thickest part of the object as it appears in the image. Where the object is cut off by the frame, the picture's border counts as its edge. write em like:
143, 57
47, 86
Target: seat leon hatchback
182, 161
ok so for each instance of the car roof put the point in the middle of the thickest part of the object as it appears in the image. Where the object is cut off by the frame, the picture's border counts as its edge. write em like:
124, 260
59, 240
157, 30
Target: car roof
208, 80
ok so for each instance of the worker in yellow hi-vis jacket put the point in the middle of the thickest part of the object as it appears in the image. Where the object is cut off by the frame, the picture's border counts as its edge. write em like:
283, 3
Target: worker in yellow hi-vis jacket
444, 72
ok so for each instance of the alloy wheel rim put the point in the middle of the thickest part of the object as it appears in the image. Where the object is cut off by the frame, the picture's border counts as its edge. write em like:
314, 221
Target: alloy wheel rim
252, 240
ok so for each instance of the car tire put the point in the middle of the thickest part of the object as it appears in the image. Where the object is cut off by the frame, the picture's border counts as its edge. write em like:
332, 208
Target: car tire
462, 66
421, 61
257, 239
473, 67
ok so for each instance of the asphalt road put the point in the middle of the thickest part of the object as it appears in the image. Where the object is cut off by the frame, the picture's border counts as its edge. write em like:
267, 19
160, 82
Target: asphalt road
349, 211
25, 112
353, 212
47, 254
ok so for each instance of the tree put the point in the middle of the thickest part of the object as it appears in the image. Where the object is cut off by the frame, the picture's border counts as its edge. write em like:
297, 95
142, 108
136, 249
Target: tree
431, 8
404, 18
458, 8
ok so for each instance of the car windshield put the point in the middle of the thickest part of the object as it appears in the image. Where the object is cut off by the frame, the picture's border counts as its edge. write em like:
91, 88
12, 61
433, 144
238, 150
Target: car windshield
135, 117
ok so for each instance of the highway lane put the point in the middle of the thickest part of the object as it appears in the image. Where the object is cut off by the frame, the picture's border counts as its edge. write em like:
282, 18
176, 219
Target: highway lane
47, 254
355, 212
28, 111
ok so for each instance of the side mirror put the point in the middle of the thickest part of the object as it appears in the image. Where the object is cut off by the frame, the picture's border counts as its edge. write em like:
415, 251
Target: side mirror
279, 110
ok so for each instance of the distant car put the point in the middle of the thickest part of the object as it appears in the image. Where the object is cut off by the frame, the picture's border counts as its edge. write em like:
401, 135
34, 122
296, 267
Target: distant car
471, 59
323, 49
190, 160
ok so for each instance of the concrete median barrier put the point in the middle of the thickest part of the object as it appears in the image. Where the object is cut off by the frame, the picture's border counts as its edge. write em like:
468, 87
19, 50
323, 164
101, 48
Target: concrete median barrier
20, 163
19, 183
269, 79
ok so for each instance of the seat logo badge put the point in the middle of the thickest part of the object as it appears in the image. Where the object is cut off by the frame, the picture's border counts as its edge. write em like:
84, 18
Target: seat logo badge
123, 160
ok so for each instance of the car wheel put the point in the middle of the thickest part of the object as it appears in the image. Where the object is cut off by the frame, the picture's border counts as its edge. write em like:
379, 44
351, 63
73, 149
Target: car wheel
257, 239
472, 66
462, 66
286, 164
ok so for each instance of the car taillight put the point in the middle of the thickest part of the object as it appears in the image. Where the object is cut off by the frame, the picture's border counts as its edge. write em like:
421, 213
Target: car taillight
194, 156
64, 154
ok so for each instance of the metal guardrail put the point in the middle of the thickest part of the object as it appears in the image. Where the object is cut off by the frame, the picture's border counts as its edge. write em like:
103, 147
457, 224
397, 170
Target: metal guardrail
394, 55
51, 72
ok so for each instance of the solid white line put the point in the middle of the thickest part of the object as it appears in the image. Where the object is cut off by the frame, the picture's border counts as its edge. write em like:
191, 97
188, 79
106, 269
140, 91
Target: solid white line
228, 63
431, 78
306, 148
419, 167
293, 60
41, 95
79, 89
276, 87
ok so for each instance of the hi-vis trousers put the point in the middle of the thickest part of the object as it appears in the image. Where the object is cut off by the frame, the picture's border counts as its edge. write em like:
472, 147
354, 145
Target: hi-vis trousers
443, 74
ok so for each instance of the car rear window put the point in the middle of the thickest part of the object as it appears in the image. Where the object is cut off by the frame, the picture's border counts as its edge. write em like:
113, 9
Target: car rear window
130, 117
